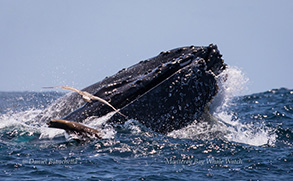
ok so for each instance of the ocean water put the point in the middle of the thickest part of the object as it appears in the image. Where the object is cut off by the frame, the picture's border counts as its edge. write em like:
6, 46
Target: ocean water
251, 139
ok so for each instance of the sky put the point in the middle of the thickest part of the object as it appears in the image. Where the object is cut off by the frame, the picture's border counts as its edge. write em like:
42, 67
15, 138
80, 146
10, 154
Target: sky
78, 43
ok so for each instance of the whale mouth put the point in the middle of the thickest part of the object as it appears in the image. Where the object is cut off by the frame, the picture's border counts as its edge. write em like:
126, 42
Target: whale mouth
131, 84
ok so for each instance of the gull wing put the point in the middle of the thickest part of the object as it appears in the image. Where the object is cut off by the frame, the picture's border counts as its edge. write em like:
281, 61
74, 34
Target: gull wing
107, 103
66, 87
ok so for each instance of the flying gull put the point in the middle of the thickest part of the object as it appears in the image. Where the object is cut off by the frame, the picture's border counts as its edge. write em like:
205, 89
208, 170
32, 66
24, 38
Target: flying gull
87, 97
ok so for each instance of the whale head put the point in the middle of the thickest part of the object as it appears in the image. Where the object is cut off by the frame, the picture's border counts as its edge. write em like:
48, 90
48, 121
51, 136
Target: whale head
165, 93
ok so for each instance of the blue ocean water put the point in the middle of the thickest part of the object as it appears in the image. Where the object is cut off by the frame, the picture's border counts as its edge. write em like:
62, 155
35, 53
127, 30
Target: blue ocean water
253, 140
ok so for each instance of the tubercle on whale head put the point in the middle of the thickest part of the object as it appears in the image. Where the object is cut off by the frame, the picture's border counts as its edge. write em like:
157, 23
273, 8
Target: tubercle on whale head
213, 62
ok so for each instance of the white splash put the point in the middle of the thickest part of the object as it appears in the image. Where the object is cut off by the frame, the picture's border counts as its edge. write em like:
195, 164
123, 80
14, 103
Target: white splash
17, 119
100, 123
22, 121
232, 82
133, 126
248, 133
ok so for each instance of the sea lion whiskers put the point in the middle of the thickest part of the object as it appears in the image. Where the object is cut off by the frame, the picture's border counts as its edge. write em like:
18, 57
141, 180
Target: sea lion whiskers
87, 97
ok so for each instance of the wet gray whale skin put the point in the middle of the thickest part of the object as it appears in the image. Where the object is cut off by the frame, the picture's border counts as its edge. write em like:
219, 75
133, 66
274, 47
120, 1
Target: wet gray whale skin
164, 93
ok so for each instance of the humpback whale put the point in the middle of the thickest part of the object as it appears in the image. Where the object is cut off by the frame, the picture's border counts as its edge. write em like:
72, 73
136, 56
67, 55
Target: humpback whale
164, 93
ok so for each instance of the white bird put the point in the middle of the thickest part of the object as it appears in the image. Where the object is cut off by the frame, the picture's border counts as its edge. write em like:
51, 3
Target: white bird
87, 96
